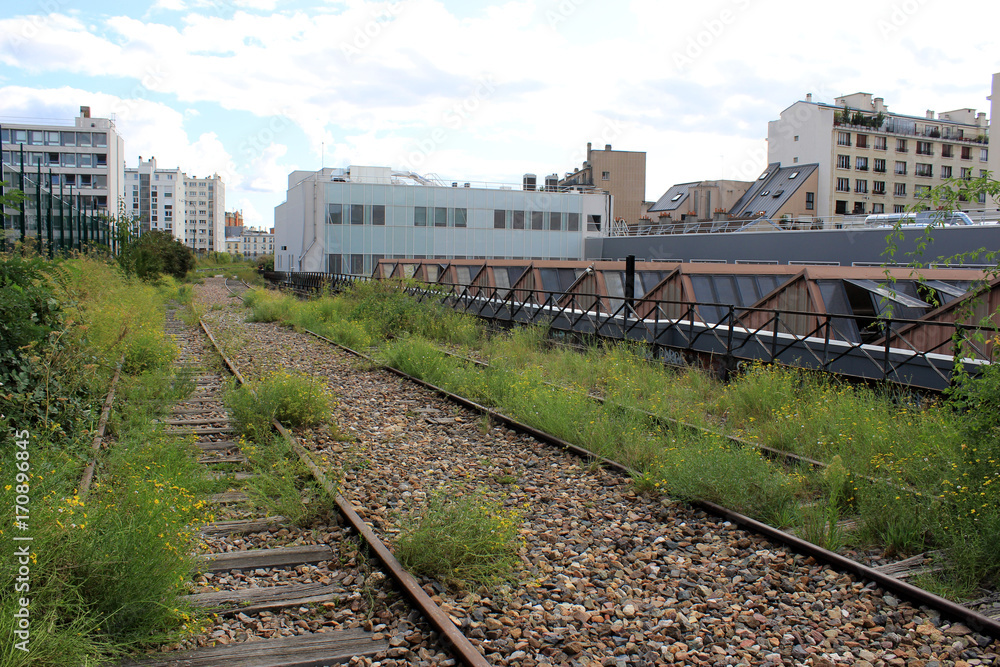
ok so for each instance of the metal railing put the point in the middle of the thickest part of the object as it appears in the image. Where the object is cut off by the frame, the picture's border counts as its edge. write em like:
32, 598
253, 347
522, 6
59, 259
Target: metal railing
891, 350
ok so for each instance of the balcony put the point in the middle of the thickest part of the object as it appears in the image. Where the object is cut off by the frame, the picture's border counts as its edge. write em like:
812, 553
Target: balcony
906, 131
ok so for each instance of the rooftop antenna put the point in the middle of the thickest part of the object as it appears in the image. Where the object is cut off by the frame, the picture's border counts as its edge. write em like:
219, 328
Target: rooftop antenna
322, 155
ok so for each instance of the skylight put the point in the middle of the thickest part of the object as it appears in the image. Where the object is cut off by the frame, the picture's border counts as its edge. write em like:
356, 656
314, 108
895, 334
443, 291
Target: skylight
677, 196
793, 175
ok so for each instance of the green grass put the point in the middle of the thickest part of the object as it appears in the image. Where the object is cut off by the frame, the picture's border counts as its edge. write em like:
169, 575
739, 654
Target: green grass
468, 539
282, 484
293, 399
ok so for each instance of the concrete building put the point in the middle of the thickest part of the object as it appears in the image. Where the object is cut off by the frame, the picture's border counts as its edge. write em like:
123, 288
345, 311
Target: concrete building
251, 243
86, 158
874, 161
345, 220
698, 200
622, 174
205, 212
155, 197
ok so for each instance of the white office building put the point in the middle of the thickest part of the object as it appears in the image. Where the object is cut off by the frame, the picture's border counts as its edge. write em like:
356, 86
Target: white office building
85, 159
346, 220
205, 213
155, 197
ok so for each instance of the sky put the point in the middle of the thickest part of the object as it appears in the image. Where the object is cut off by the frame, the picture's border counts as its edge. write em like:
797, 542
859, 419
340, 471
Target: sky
474, 91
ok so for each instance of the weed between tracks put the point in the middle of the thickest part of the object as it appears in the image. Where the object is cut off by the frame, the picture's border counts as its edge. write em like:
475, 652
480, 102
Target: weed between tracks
914, 477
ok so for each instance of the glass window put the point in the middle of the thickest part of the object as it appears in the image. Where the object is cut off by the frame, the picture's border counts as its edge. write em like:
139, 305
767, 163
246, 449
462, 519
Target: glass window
100, 139
593, 223
378, 214
84, 160
518, 220
420, 216
20, 136
83, 139
555, 221
69, 159
537, 220
4, 135
572, 222
334, 215
100, 160
500, 219
440, 216
461, 217
37, 138
357, 214
51, 138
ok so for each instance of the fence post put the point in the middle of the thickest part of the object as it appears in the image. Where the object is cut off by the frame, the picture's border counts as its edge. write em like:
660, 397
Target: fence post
21, 207
38, 209
826, 344
729, 339
885, 358
774, 335
48, 214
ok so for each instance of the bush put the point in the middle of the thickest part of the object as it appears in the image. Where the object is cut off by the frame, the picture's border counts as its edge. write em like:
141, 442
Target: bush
292, 399
155, 253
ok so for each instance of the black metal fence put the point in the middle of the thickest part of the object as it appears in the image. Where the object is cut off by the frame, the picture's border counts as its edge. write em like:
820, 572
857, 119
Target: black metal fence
56, 222
896, 350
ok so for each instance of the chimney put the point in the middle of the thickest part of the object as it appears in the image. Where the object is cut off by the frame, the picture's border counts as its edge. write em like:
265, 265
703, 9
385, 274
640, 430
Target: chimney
930, 115
84, 112
809, 97
607, 147
879, 104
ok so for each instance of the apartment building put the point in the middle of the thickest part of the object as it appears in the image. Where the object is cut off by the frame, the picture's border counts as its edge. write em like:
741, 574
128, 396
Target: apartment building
698, 200
84, 159
874, 161
622, 174
155, 197
205, 212
346, 220
251, 243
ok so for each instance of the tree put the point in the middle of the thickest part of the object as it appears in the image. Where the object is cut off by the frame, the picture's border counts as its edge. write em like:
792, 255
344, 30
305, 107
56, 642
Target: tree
155, 253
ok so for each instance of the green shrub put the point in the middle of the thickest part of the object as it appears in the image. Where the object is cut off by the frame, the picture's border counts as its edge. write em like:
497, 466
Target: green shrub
293, 399
460, 538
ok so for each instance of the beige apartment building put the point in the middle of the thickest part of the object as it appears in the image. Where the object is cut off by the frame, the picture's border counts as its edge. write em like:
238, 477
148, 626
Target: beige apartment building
874, 161
251, 243
699, 200
622, 174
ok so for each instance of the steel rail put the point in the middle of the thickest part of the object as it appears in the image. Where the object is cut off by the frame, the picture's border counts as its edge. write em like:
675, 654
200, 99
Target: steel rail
460, 644
971, 618
102, 425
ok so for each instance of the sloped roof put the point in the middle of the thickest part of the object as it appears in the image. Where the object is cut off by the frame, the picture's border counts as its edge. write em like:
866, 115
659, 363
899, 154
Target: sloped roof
670, 201
772, 190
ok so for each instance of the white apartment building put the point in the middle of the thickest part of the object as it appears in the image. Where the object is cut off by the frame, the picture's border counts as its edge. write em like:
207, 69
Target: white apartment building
155, 197
346, 220
85, 159
205, 213
251, 243
874, 161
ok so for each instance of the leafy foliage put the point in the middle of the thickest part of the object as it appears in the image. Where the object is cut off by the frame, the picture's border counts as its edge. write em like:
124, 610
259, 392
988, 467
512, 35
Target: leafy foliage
155, 253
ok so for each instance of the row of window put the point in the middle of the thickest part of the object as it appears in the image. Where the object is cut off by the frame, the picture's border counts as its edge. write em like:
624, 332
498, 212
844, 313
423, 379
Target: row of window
552, 220
40, 159
903, 146
441, 216
921, 169
53, 138
878, 187
156, 176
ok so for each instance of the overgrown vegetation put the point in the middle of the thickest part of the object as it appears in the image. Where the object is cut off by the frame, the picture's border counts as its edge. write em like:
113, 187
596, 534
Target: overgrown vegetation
294, 399
464, 538
915, 477
105, 569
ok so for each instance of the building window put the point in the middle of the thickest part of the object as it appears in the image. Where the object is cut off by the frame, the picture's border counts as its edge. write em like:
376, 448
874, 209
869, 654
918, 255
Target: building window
843, 162
593, 223
537, 220
861, 140
900, 168
500, 219
966, 174
572, 222
878, 208
357, 214
840, 207
605, 175
517, 220
843, 185
984, 154
796, 138
924, 169
333, 214
461, 217
878, 187
420, 216
555, 221
899, 208
861, 164
378, 214
810, 201
859, 208
880, 144
861, 186
921, 190
843, 138
879, 165
966, 153
900, 190
925, 148
946, 171
947, 150
901, 146
440, 217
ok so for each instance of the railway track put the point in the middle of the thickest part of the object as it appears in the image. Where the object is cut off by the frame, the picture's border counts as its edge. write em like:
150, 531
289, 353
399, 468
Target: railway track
279, 594
609, 577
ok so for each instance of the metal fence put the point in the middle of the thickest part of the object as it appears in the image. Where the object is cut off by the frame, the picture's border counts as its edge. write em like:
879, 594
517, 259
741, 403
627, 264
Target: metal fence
678, 332
56, 222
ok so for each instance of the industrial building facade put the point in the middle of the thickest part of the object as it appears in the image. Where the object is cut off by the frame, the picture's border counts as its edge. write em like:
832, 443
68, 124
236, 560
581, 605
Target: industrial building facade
346, 220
